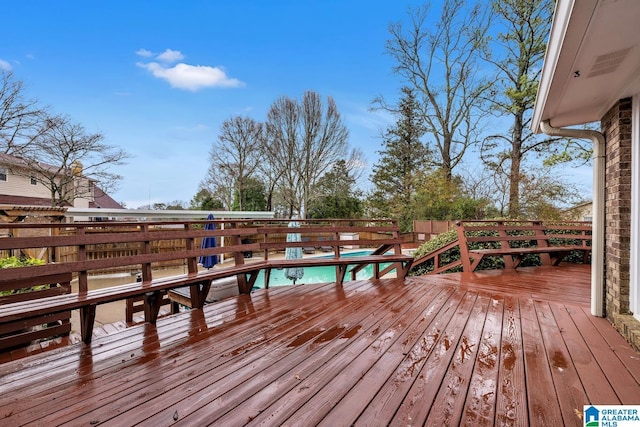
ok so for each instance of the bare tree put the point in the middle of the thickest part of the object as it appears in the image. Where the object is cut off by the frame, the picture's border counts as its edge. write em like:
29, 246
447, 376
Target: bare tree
21, 119
236, 154
305, 139
541, 189
440, 63
517, 55
68, 161
358, 168
220, 185
324, 142
282, 129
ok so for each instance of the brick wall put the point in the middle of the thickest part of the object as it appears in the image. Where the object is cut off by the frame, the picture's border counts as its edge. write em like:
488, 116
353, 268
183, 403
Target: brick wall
616, 126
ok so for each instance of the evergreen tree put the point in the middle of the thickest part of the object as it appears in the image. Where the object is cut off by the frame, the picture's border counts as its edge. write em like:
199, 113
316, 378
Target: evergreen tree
337, 196
403, 161
204, 200
253, 196
440, 198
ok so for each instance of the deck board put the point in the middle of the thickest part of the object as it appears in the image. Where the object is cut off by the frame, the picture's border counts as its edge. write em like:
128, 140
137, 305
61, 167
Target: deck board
569, 391
499, 348
481, 399
511, 407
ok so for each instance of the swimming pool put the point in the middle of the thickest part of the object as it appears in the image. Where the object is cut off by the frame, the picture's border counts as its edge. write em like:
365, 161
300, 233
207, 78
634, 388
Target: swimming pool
317, 274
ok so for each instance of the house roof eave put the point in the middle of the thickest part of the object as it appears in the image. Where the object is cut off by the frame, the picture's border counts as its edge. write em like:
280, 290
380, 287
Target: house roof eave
588, 67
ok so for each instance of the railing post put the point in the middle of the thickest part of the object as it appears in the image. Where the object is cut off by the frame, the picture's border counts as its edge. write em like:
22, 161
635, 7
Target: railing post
146, 249
504, 244
83, 285
397, 250
192, 261
238, 258
541, 241
464, 247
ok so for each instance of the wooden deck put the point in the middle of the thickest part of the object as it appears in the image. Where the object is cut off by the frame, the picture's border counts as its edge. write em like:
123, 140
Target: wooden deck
494, 348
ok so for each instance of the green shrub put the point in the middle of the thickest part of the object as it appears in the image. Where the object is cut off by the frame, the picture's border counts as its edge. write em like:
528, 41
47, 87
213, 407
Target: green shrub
493, 262
437, 242
13, 262
441, 240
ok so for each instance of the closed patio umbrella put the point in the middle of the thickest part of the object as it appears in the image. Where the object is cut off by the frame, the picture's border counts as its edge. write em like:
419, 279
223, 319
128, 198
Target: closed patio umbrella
293, 273
209, 261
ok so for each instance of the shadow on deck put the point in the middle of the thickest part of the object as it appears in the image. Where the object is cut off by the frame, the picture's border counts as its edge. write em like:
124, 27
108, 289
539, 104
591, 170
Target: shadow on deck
504, 348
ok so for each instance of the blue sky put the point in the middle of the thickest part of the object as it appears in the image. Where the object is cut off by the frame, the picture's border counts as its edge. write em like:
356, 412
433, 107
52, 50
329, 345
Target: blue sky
159, 77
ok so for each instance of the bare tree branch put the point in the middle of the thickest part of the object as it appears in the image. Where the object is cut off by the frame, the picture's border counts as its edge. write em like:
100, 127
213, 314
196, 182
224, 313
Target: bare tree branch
68, 161
447, 53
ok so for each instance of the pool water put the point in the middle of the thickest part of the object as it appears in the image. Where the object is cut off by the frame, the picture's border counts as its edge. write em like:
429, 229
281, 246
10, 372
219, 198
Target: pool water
322, 274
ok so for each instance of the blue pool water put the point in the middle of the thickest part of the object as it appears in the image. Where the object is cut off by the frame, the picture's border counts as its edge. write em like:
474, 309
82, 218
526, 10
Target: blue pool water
317, 274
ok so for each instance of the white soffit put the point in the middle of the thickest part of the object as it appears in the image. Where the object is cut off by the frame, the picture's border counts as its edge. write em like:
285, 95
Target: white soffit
592, 61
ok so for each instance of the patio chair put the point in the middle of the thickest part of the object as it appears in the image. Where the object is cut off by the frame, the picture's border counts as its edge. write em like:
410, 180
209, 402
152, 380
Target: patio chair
308, 249
325, 248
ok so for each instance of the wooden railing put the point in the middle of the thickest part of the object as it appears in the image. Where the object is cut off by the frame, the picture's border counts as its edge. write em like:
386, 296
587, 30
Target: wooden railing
78, 251
510, 240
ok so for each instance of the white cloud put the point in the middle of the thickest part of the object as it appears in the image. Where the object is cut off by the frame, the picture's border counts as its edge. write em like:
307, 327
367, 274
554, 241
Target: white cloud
191, 77
169, 56
4, 65
144, 53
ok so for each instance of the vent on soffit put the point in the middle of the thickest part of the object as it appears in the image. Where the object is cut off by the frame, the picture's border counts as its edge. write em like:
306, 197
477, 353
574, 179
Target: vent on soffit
608, 62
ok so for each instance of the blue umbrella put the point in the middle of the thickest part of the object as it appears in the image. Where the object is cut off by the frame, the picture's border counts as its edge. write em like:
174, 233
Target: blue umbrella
209, 261
293, 273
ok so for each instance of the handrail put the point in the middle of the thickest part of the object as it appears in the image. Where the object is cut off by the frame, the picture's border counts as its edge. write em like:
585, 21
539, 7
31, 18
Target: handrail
435, 256
89, 247
83, 249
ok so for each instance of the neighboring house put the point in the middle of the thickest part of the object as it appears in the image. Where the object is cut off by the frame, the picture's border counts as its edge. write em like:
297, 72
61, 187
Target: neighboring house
580, 212
19, 187
592, 73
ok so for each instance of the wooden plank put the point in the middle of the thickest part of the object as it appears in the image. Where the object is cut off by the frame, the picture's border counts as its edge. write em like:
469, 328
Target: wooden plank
616, 383
321, 354
59, 303
511, 403
627, 355
419, 400
118, 237
312, 262
569, 390
480, 404
27, 373
356, 346
127, 382
130, 260
396, 366
542, 401
592, 378
448, 405
218, 374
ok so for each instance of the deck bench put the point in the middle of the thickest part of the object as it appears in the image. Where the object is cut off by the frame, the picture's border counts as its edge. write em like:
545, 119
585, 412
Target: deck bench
79, 251
541, 239
199, 284
25, 330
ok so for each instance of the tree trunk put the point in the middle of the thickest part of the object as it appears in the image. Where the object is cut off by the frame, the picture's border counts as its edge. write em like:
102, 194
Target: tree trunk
446, 159
514, 173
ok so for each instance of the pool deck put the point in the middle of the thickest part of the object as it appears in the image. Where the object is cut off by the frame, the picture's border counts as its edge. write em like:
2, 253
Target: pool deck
490, 348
